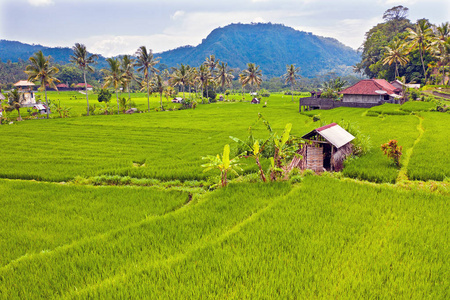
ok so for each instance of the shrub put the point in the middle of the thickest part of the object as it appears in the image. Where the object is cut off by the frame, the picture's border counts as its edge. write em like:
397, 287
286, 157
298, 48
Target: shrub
392, 150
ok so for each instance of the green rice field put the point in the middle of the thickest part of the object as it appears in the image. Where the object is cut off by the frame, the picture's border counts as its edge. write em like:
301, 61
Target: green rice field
118, 207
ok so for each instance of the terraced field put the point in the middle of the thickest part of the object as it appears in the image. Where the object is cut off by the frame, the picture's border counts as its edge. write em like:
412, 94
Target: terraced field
328, 236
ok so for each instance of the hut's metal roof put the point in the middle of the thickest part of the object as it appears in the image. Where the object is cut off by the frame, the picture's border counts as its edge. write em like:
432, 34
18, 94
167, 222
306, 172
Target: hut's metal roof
2, 97
333, 133
24, 83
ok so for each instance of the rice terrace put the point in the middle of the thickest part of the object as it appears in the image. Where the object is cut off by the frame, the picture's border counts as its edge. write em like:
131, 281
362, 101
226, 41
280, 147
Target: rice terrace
130, 178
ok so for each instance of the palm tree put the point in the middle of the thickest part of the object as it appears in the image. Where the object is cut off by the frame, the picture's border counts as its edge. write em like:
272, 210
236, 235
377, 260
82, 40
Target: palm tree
252, 75
158, 86
211, 62
127, 68
397, 54
146, 64
203, 76
242, 82
14, 98
39, 69
180, 77
83, 60
224, 76
291, 77
114, 77
420, 38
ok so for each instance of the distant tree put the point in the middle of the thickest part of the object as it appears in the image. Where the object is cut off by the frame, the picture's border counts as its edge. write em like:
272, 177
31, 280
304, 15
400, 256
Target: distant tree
114, 77
420, 38
180, 77
146, 64
224, 76
397, 54
396, 13
14, 99
39, 69
211, 62
291, 76
104, 96
252, 75
127, 68
159, 87
203, 76
84, 61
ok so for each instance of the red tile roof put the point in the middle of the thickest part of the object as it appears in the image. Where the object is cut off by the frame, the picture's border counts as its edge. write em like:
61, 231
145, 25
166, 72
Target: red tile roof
62, 85
82, 85
369, 86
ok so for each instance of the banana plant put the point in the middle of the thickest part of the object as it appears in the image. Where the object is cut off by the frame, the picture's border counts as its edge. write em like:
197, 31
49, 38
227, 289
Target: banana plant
224, 164
252, 151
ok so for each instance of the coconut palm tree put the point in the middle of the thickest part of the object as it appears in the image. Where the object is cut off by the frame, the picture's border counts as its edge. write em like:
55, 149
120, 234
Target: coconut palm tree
420, 38
114, 77
223, 76
127, 68
84, 61
39, 69
146, 64
252, 75
203, 76
14, 99
158, 86
180, 77
211, 62
242, 82
397, 54
291, 76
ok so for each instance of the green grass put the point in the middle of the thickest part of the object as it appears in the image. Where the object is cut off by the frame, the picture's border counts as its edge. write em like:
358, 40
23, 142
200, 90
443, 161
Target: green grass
387, 109
430, 158
411, 106
39, 217
325, 238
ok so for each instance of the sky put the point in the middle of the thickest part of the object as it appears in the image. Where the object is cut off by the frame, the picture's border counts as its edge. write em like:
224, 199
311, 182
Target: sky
112, 27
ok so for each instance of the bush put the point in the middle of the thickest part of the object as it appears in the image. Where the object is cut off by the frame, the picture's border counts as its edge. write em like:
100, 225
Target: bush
392, 150
104, 96
211, 94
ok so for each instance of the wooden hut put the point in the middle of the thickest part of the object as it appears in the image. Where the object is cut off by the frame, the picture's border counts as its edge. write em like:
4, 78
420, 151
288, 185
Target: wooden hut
326, 148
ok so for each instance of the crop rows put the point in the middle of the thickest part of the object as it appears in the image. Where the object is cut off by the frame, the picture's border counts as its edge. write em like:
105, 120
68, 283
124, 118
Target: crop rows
324, 238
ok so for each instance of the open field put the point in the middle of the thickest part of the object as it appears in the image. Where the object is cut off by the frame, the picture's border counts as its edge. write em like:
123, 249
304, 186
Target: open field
320, 237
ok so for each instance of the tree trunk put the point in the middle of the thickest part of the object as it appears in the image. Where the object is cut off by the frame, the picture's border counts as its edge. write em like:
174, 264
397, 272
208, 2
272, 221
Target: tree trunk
207, 96
292, 92
423, 66
46, 101
118, 107
18, 111
396, 70
148, 93
85, 90
263, 177
160, 100
202, 94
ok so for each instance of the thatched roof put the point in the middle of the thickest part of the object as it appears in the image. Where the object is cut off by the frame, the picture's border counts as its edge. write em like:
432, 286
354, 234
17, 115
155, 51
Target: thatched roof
24, 83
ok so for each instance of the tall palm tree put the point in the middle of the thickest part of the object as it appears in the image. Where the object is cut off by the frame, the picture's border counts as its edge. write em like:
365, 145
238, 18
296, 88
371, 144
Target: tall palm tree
242, 82
252, 75
114, 77
291, 76
224, 76
127, 68
397, 54
203, 76
158, 86
420, 38
84, 61
211, 62
39, 69
146, 64
180, 77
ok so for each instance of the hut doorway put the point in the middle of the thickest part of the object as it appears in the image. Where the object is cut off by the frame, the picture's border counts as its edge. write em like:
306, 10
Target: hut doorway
327, 156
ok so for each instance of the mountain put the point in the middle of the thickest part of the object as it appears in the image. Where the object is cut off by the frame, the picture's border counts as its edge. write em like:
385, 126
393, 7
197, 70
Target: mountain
13, 50
271, 46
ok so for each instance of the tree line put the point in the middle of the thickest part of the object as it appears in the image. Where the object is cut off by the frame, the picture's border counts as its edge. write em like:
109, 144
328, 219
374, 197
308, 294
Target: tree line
395, 48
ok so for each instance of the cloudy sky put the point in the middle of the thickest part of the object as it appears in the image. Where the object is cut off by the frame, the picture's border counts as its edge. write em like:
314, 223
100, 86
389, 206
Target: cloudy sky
112, 27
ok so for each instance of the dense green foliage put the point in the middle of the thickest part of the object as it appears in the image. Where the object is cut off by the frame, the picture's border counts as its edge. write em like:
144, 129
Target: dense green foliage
323, 238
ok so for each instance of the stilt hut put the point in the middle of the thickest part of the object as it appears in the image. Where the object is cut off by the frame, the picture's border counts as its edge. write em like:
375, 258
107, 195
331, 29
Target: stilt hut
326, 148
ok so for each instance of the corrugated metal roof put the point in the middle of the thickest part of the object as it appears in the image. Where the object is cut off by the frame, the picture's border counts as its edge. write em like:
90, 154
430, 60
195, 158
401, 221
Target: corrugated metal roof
334, 134
39, 107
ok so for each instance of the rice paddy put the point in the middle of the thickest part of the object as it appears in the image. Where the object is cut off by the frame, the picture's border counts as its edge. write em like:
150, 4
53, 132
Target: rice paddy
118, 206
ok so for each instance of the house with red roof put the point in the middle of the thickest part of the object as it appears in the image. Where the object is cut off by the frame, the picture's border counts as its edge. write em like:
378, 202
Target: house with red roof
371, 91
81, 86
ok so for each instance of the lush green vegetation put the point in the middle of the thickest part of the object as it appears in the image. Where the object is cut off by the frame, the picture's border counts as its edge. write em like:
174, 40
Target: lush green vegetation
324, 237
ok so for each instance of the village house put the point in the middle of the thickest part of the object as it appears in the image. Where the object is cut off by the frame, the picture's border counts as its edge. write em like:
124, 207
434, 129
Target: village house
398, 84
371, 91
25, 87
80, 86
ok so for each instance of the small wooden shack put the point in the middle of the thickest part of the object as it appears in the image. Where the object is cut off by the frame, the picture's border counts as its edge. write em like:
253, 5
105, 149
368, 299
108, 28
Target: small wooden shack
326, 148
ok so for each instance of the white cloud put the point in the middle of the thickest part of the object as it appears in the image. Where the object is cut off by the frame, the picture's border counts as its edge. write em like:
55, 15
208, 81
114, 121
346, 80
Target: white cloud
41, 2
177, 14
